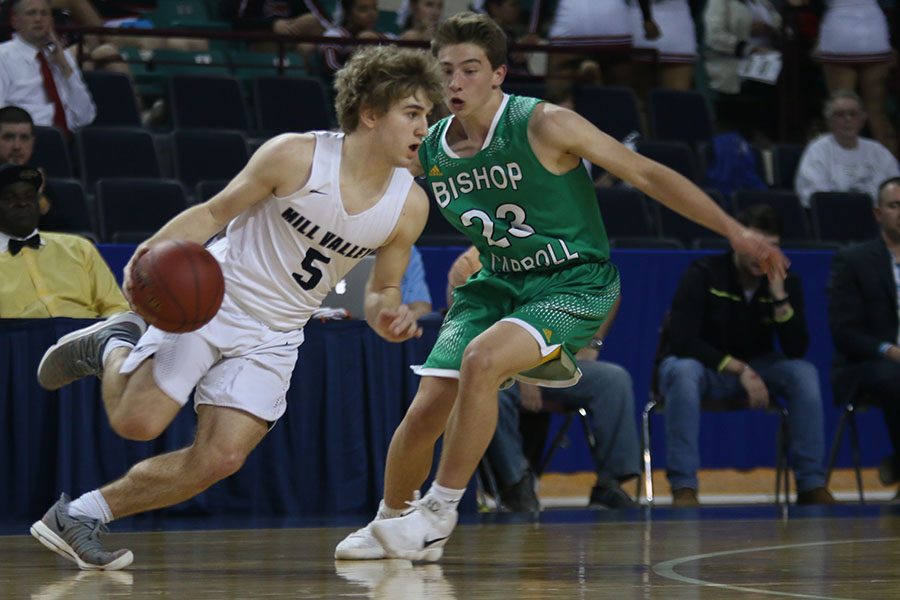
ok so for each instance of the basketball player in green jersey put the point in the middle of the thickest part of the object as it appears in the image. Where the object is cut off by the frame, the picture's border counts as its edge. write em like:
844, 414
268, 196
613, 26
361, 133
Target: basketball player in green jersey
507, 171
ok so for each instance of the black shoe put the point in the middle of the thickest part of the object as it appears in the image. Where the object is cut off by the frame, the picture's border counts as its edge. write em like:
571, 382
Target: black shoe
520, 496
887, 471
611, 496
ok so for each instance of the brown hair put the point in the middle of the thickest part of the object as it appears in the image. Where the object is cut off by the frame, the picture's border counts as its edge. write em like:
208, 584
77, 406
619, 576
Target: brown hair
472, 28
378, 76
761, 217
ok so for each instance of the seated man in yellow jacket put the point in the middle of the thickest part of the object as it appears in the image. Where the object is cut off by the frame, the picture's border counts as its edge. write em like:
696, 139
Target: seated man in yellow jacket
47, 274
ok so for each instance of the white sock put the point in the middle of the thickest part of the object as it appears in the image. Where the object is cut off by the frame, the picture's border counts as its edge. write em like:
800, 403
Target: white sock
92, 505
386, 512
446, 495
112, 345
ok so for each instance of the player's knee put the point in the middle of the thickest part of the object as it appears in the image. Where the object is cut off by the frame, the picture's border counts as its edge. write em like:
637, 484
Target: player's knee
219, 463
478, 362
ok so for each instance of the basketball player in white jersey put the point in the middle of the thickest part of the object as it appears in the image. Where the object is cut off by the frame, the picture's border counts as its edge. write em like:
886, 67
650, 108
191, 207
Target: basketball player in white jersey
303, 212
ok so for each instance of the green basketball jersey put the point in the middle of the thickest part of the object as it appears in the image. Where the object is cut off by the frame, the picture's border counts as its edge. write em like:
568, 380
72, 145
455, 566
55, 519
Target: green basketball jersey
519, 215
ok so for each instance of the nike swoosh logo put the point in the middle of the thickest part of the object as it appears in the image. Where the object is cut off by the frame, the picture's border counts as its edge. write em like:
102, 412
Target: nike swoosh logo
59, 525
316, 192
434, 541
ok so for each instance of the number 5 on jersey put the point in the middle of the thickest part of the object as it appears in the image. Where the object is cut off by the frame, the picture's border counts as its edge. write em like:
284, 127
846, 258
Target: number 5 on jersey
313, 273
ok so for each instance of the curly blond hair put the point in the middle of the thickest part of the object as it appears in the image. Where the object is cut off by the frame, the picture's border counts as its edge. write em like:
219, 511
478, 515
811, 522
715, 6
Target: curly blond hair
378, 76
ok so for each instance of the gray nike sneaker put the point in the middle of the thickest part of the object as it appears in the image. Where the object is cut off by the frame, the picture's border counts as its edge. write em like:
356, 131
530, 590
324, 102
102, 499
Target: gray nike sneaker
79, 354
78, 539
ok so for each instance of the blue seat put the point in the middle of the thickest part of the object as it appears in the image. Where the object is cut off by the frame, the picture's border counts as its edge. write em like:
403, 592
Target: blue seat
290, 104
613, 109
843, 216
680, 116
132, 209
675, 155
208, 154
110, 152
207, 102
51, 152
785, 160
69, 210
114, 96
795, 225
625, 213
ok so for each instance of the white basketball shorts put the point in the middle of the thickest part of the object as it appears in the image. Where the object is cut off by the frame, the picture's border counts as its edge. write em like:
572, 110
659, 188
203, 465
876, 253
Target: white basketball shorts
233, 361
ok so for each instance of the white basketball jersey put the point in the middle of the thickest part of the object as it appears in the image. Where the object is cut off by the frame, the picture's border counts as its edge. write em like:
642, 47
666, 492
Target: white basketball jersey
281, 257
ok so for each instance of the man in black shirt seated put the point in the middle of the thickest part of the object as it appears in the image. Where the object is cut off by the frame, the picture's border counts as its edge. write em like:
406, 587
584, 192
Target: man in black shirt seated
720, 346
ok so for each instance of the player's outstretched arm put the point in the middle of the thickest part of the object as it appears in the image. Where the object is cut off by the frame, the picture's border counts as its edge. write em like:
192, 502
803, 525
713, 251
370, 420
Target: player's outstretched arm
281, 165
385, 314
567, 137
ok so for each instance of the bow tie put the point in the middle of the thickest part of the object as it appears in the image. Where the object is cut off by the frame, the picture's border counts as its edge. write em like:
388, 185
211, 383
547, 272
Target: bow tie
15, 246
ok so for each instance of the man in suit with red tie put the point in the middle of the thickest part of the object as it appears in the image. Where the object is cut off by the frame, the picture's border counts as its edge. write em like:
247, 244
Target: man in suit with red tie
863, 293
38, 75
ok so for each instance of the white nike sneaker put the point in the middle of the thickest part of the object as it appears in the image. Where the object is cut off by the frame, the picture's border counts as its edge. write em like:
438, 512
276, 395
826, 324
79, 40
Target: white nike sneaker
420, 534
361, 545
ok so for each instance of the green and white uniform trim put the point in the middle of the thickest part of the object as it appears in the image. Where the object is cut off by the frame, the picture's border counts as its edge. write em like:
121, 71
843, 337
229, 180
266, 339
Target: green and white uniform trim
542, 243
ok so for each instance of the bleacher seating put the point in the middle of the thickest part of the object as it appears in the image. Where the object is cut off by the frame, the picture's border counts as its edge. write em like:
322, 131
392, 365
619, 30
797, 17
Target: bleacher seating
296, 104
842, 217
130, 210
51, 152
69, 211
612, 109
795, 225
114, 97
208, 102
110, 152
625, 213
208, 154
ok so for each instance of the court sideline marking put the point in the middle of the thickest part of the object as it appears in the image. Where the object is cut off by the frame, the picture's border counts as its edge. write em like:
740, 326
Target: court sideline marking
667, 568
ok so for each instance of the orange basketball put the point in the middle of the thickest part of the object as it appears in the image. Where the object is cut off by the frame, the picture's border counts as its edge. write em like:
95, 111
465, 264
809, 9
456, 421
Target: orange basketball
177, 286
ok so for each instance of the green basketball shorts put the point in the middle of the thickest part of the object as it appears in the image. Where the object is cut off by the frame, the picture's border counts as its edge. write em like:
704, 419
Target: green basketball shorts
562, 311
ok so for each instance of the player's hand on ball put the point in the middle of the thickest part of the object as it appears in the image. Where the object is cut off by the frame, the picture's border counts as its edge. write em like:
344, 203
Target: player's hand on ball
770, 258
398, 324
128, 280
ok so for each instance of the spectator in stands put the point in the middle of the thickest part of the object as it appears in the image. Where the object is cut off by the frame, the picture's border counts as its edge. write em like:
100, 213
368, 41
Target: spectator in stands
294, 17
414, 288
864, 323
38, 75
855, 52
509, 16
605, 391
47, 274
419, 18
673, 37
357, 19
734, 30
719, 346
841, 160
588, 24
17, 144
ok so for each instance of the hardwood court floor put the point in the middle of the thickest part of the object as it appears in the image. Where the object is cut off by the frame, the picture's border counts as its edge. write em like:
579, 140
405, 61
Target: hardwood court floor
695, 554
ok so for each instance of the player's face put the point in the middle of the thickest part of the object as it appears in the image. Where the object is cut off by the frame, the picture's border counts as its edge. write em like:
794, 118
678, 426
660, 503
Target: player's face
749, 264
469, 80
887, 213
403, 127
19, 211
16, 143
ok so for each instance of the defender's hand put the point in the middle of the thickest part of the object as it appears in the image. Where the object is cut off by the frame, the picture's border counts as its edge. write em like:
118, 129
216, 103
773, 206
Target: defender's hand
398, 324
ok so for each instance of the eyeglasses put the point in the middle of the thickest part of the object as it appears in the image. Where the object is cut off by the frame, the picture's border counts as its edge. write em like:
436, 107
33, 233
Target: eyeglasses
852, 113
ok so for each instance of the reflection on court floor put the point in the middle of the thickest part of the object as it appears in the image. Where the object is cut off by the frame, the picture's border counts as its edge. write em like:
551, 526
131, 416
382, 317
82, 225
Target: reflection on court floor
719, 552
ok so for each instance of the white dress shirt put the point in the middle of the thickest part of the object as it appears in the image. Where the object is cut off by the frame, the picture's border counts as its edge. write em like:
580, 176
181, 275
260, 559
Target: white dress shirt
21, 85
